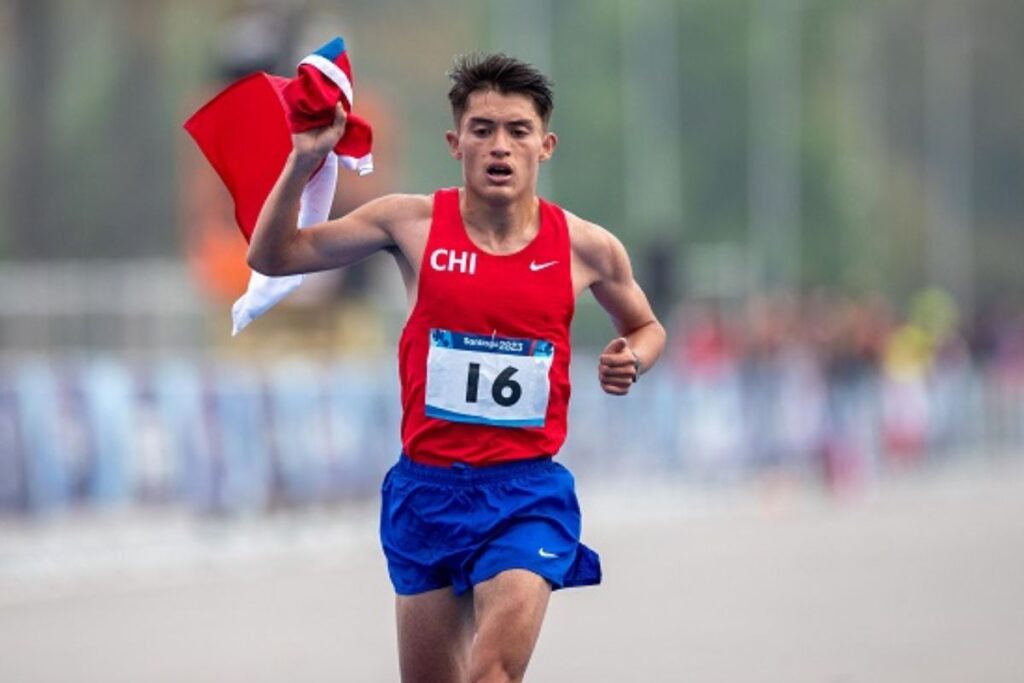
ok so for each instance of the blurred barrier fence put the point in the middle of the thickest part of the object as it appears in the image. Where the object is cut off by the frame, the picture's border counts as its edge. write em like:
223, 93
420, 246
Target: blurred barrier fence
232, 436
137, 305
215, 435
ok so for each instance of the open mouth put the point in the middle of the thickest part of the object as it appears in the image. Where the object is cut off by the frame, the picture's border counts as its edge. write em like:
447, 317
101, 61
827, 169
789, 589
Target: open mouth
498, 171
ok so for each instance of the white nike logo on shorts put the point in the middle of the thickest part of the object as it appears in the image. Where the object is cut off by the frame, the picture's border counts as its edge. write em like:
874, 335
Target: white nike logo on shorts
534, 266
546, 554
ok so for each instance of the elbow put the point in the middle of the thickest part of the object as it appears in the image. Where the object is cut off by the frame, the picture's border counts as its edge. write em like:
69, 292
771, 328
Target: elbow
655, 329
255, 262
655, 339
261, 264
662, 334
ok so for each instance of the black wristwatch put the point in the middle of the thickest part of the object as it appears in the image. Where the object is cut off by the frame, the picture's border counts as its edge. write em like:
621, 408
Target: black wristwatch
637, 364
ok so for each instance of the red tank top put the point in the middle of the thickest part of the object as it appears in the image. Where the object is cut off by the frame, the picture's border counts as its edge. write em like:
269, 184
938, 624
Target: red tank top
484, 355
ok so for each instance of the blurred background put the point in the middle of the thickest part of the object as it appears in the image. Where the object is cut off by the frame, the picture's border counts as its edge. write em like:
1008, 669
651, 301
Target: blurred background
821, 198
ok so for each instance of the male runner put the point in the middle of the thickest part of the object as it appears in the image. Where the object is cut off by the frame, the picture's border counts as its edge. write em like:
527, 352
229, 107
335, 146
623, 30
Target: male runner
478, 524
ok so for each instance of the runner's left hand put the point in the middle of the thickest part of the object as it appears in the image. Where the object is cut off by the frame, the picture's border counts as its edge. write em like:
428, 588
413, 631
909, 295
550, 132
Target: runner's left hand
616, 368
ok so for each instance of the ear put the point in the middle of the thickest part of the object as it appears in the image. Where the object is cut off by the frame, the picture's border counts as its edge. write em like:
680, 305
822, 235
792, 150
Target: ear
548, 146
452, 138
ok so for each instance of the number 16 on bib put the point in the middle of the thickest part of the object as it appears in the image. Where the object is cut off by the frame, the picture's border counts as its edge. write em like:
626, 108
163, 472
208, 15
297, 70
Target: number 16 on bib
497, 381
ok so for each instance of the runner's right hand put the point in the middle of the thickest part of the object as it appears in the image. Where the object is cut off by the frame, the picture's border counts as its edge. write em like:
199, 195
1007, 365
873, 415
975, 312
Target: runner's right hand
314, 144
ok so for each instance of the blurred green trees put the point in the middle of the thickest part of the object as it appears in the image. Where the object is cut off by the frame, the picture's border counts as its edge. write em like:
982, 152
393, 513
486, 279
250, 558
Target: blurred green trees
657, 105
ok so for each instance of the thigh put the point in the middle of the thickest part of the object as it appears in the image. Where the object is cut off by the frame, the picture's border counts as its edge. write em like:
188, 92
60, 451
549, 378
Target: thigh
435, 632
509, 611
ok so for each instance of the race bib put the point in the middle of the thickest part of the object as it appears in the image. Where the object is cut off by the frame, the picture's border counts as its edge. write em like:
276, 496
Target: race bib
488, 380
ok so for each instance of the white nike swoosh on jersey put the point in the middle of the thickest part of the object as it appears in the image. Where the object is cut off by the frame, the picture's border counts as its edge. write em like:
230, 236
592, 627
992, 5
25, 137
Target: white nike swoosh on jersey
544, 553
534, 266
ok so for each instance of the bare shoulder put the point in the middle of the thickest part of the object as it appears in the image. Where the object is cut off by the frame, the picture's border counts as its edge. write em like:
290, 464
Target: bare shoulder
595, 249
405, 219
398, 210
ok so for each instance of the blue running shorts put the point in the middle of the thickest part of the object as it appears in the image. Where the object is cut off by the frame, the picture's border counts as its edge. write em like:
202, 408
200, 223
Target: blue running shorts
458, 526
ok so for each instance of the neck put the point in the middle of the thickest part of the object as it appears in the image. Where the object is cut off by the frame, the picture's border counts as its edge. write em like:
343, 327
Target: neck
507, 220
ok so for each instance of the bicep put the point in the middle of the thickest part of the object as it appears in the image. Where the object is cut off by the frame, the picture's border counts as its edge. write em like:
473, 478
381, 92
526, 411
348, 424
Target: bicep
617, 291
345, 240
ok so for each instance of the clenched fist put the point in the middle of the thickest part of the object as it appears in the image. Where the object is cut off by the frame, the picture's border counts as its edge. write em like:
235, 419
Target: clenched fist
618, 367
314, 144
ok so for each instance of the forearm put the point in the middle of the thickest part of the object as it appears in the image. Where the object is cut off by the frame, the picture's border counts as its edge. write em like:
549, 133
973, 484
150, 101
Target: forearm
277, 224
647, 342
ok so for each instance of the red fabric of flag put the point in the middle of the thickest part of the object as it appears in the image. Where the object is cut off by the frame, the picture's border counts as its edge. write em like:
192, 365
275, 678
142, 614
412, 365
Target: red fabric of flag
245, 130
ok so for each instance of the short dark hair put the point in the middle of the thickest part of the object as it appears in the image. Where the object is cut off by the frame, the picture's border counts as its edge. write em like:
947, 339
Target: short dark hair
500, 73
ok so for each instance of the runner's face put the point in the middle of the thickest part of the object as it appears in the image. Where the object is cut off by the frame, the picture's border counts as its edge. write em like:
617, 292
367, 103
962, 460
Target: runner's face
501, 142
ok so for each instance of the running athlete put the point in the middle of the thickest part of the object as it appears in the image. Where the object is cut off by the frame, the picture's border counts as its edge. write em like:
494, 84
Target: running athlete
478, 524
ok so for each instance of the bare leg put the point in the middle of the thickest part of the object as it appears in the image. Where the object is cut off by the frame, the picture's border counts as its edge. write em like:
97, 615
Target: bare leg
509, 610
435, 632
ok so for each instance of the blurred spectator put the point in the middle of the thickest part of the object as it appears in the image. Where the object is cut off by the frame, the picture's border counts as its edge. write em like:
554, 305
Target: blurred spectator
828, 388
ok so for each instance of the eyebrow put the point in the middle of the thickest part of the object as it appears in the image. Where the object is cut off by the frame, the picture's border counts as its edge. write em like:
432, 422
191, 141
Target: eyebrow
478, 120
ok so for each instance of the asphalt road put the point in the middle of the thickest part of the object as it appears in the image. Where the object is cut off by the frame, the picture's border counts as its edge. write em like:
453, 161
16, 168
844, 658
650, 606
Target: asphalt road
920, 579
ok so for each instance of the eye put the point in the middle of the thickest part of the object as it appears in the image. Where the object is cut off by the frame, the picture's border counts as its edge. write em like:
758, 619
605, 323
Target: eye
480, 131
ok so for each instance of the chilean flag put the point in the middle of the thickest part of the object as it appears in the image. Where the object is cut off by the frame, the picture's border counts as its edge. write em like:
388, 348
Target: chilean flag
245, 130
245, 134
